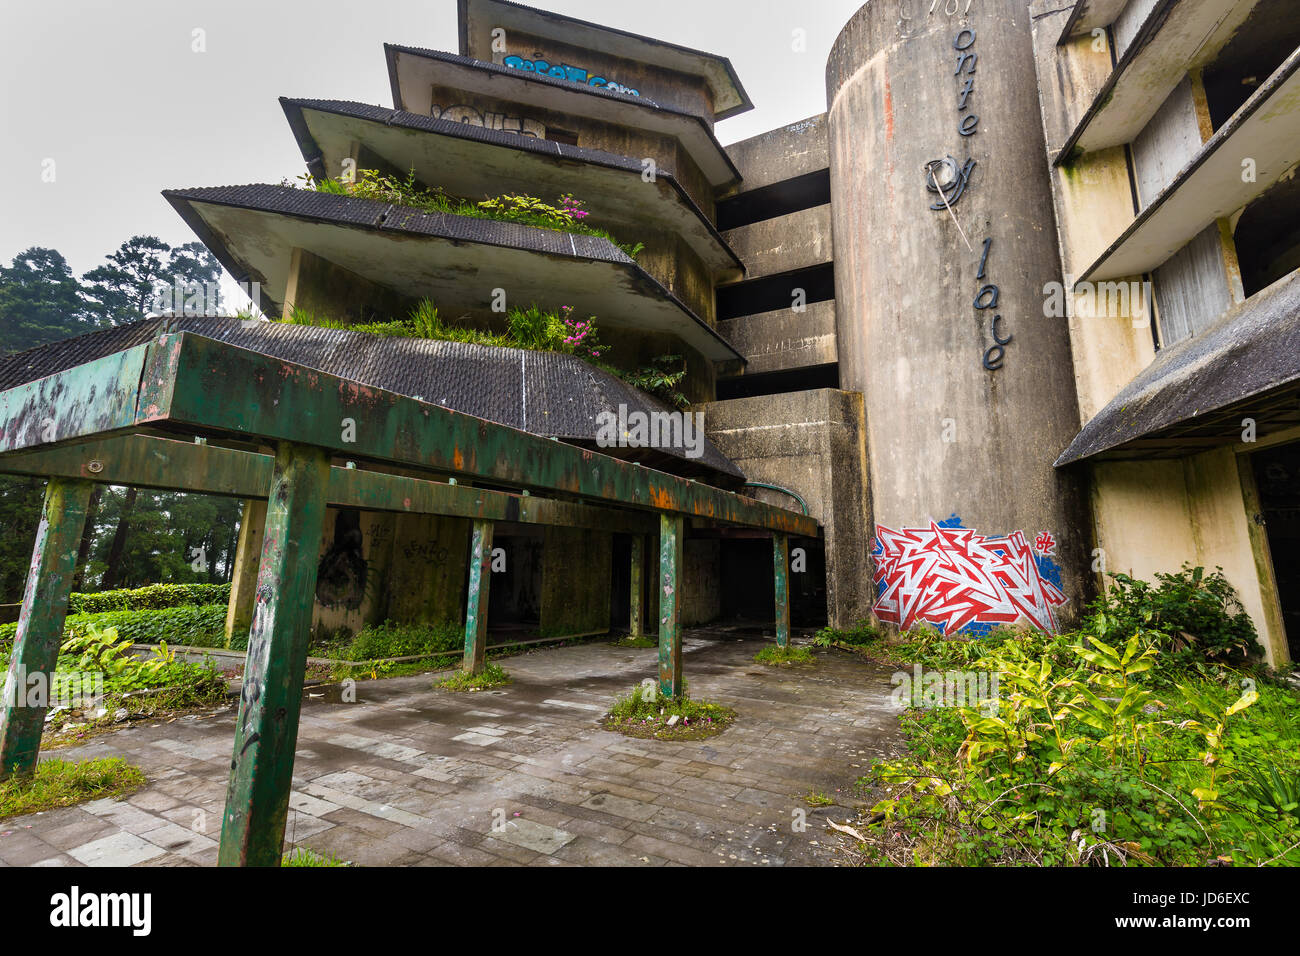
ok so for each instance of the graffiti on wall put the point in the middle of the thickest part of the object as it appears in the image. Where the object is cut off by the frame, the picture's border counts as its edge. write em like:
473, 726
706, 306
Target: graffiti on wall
959, 580
487, 120
565, 72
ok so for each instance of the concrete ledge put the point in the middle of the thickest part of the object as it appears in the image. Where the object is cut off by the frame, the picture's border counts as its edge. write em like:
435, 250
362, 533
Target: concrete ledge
795, 241
783, 340
781, 154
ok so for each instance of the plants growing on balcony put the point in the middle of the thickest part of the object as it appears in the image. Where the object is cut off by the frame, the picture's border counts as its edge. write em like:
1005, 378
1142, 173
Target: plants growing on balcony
566, 215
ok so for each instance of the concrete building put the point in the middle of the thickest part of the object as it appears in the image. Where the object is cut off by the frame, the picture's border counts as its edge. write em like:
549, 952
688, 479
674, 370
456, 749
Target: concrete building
1020, 309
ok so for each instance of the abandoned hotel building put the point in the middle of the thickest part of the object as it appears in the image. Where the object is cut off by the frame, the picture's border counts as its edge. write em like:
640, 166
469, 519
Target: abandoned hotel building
1021, 308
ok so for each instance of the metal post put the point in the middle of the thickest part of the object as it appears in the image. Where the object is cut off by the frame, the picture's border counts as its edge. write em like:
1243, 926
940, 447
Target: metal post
266, 733
636, 626
781, 567
476, 603
671, 533
40, 625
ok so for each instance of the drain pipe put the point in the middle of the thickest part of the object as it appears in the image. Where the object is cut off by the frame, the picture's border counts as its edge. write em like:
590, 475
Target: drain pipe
785, 491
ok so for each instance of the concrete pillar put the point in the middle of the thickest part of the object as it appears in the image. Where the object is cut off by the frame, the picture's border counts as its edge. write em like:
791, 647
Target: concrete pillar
478, 596
243, 579
636, 626
266, 731
936, 142
781, 572
35, 654
672, 531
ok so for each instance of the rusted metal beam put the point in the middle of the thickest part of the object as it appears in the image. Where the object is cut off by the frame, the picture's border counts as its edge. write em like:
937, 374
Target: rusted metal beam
208, 387
30, 680
671, 540
266, 731
144, 461
477, 598
781, 567
636, 624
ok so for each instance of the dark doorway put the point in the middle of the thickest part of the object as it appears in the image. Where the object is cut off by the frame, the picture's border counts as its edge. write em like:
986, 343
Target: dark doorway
749, 587
1277, 474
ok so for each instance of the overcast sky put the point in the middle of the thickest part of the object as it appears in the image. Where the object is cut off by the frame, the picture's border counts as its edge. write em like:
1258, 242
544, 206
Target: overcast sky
114, 94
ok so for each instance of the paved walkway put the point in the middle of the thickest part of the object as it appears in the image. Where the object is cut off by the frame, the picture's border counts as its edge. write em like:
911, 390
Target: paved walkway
412, 776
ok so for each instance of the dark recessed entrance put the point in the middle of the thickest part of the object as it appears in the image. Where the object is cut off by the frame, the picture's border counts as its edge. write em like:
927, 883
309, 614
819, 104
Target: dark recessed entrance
1277, 473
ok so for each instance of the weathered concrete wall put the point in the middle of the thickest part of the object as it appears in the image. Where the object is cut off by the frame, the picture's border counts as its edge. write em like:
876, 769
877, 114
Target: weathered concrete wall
941, 327
781, 154
811, 443
476, 109
785, 339
576, 569
1154, 516
681, 91
797, 240
328, 290
701, 581
429, 570
345, 600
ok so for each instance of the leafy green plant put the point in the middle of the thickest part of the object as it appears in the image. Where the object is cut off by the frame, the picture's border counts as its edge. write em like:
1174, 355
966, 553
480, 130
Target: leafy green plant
1198, 616
493, 675
150, 597
660, 378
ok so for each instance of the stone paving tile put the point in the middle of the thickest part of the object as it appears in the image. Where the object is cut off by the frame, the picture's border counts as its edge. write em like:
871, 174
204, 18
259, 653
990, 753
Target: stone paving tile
413, 776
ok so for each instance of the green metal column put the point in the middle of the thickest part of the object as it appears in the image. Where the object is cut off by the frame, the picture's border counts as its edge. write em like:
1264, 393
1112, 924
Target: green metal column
636, 625
781, 567
671, 535
476, 603
266, 733
40, 625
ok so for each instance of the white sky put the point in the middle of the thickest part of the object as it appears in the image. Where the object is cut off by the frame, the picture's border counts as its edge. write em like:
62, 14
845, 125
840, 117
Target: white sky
113, 93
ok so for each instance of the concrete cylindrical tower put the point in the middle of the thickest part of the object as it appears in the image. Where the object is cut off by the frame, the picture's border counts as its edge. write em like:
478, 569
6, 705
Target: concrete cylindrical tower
944, 239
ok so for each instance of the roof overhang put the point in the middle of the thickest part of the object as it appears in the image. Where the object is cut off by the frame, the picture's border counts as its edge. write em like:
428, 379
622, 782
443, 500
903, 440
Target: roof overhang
409, 67
1177, 36
454, 260
1266, 129
476, 162
1089, 15
1196, 394
482, 16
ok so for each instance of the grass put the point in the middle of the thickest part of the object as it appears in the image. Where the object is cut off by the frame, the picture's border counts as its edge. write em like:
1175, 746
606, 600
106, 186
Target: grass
784, 656
645, 714
635, 642
815, 798
301, 856
493, 675
63, 783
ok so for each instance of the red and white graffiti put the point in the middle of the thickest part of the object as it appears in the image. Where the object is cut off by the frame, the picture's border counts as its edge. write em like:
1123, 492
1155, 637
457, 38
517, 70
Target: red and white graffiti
1045, 543
955, 578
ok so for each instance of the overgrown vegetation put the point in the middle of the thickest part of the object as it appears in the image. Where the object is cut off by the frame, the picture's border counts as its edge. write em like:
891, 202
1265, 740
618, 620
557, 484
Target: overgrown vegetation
99, 659
645, 713
63, 783
637, 642
784, 656
150, 597
301, 856
492, 675
567, 214
182, 626
372, 650
1148, 737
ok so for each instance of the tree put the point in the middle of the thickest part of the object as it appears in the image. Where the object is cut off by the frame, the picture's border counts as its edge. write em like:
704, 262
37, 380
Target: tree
126, 287
40, 301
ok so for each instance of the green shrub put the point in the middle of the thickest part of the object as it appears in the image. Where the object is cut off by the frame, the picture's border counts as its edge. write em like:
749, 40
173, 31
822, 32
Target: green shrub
1197, 616
150, 597
382, 641
492, 675
186, 625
